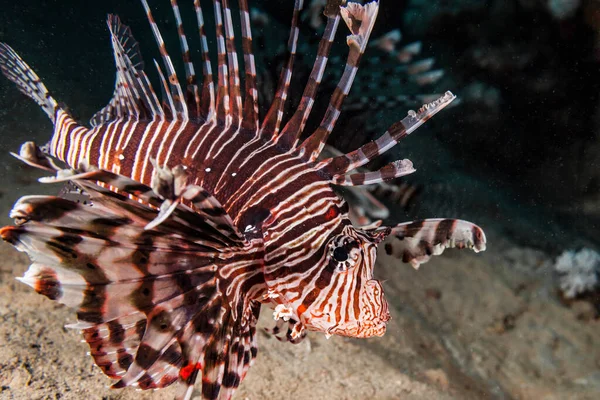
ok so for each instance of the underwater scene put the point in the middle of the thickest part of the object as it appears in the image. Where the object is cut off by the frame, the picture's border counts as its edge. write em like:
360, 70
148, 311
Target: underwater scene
308, 199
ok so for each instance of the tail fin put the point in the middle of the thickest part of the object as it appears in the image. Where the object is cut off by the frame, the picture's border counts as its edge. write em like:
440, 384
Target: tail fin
15, 69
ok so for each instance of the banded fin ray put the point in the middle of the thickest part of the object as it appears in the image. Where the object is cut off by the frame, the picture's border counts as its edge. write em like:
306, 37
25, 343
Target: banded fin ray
175, 93
207, 110
192, 93
293, 129
250, 117
272, 120
340, 165
360, 20
219, 347
235, 96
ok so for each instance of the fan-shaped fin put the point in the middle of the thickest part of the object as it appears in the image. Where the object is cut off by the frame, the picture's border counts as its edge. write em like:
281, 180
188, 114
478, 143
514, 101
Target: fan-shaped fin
147, 300
165, 321
114, 344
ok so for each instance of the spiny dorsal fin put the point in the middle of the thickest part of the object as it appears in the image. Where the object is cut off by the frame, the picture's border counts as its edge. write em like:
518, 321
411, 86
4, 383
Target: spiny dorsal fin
133, 96
235, 97
250, 115
360, 20
293, 129
15, 69
274, 116
192, 92
208, 85
175, 93
223, 104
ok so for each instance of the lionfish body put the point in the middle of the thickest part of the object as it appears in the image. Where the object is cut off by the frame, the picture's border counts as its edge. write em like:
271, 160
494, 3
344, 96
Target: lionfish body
197, 213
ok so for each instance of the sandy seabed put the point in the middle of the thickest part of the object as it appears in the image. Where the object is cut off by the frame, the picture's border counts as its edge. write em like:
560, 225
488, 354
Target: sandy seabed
464, 326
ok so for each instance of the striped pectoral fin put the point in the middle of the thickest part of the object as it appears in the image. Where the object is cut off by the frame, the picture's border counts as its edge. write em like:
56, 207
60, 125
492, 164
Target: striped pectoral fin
113, 344
169, 189
159, 356
296, 331
391, 171
83, 254
134, 290
415, 242
215, 344
230, 350
347, 162
33, 156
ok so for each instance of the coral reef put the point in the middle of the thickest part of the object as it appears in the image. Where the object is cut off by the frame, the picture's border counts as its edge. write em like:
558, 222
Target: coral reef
579, 271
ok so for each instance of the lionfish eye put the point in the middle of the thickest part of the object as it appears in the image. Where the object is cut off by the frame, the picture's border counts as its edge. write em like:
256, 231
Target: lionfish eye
344, 252
340, 254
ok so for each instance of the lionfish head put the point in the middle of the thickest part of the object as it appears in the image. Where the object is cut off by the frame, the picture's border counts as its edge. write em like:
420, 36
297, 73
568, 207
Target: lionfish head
353, 304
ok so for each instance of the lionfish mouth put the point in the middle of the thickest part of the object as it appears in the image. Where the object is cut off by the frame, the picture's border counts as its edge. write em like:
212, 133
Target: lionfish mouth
363, 329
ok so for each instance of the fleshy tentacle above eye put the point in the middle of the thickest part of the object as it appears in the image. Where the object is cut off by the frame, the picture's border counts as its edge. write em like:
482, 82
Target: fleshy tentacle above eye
415, 242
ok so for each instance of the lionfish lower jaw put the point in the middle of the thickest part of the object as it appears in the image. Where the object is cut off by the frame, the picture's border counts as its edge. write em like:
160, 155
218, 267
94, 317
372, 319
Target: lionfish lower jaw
357, 329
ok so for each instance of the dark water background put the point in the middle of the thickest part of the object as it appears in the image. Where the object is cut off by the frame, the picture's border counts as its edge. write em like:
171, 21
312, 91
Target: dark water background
520, 153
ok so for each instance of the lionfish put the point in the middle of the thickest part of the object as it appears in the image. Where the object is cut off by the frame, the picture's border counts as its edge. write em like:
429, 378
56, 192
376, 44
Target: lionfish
185, 215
